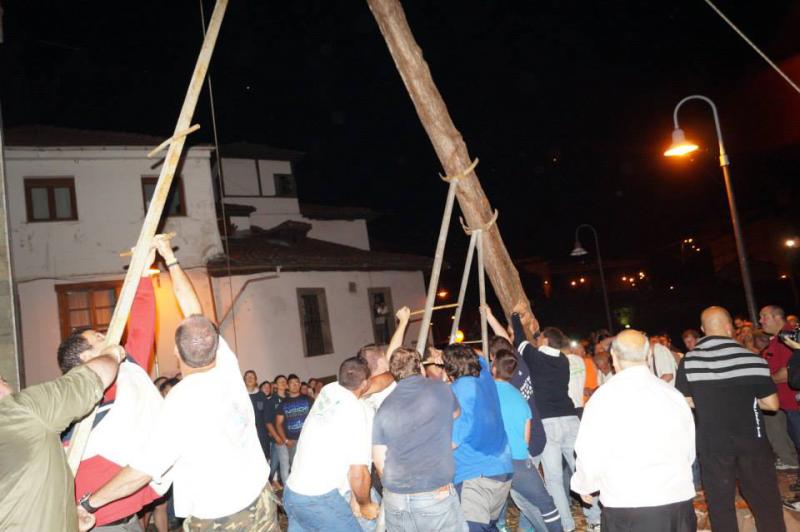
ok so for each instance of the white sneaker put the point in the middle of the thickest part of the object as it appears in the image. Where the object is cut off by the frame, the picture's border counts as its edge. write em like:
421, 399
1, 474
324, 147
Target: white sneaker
782, 466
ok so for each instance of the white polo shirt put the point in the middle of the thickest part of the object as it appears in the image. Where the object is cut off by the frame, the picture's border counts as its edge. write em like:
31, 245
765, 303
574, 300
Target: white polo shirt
335, 436
206, 436
636, 443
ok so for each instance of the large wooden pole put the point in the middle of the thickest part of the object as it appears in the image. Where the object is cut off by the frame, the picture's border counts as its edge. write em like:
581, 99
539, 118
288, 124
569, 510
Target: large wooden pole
153, 216
449, 146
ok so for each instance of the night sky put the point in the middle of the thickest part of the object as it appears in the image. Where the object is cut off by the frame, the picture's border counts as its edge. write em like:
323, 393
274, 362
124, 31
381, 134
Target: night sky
568, 104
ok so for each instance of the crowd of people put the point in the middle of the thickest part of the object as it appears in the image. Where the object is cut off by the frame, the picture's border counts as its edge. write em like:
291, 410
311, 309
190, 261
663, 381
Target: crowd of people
624, 426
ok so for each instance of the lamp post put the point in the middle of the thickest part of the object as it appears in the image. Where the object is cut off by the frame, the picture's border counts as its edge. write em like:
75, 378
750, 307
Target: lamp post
579, 251
680, 146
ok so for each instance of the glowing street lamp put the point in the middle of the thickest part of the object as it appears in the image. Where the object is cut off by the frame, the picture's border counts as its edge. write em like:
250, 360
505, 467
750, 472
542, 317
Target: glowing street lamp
792, 243
680, 146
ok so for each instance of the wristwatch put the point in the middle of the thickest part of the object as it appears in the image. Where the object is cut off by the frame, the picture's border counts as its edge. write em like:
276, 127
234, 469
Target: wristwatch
84, 501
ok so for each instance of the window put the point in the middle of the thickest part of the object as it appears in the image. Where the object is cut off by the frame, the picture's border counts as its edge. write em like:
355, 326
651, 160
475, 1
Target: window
314, 321
285, 186
176, 202
50, 199
381, 313
86, 305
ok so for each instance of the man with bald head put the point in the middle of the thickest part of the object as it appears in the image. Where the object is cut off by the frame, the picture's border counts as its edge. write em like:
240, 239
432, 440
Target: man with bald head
728, 385
636, 445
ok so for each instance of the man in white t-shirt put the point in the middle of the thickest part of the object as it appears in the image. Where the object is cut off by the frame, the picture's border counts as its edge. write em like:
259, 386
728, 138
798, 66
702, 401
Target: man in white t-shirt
662, 363
333, 457
205, 436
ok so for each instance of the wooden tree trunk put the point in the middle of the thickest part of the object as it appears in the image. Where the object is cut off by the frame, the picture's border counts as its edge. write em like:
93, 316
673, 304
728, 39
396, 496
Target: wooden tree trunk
449, 146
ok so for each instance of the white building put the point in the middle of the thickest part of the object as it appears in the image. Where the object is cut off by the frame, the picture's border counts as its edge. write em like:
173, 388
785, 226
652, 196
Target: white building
77, 198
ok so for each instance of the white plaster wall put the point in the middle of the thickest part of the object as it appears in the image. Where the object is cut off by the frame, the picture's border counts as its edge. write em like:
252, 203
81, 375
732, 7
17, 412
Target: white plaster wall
241, 176
110, 210
350, 233
267, 331
41, 330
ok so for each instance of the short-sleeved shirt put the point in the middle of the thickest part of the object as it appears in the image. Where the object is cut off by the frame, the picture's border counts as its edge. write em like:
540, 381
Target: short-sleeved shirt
206, 437
663, 362
260, 407
777, 355
271, 410
577, 379
725, 380
479, 436
415, 423
36, 486
516, 414
335, 436
294, 411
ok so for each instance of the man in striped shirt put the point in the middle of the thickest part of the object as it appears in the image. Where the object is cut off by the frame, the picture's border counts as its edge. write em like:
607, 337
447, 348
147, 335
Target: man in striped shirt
727, 385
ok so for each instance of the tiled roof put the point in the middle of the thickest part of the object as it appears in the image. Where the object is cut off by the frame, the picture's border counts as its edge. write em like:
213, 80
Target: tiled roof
51, 136
287, 246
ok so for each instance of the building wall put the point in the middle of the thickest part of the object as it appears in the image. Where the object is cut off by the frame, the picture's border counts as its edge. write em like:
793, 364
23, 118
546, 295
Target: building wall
41, 331
110, 210
265, 329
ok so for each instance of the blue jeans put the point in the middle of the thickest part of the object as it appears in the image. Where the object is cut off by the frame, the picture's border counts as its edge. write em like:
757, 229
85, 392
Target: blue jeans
328, 512
281, 460
532, 498
366, 525
423, 512
561, 433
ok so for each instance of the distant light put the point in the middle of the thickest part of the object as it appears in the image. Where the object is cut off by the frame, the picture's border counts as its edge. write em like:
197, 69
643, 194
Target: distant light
641, 275
442, 293
573, 283
624, 278
680, 146
582, 279
453, 318
791, 243
697, 249
547, 282
628, 326
671, 287
459, 336
784, 276
573, 343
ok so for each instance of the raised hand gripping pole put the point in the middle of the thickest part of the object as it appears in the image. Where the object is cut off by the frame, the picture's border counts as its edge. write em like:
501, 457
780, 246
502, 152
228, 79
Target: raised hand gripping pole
153, 216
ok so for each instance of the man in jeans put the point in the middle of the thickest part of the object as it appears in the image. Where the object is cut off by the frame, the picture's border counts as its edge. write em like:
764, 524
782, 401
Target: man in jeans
411, 449
517, 422
549, 369
333, 456
289, 419
482, 454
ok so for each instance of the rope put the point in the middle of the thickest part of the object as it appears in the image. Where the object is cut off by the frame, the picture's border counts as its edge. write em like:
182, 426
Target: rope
753, 46
221, 190
463, 174
485, 227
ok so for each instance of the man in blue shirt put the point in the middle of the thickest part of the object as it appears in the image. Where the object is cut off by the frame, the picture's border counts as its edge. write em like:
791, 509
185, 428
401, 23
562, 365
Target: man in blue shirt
411, 449
517, 422
482, 454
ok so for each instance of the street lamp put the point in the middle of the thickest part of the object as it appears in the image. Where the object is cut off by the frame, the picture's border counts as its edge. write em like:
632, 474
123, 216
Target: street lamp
680, 146
579, 251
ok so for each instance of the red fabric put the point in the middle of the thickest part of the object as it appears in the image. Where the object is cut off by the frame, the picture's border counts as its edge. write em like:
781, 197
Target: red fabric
141, 331
96, 471
777, 355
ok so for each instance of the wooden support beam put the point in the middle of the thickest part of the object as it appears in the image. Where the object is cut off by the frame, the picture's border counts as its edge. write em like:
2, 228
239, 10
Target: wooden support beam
153, 216
449, 146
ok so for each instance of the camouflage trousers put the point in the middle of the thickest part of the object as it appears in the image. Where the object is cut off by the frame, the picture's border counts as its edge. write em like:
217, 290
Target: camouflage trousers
259, 516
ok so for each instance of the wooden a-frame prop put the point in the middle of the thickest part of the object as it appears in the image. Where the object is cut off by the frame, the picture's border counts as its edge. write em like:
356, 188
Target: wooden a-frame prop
449, 146
151, 220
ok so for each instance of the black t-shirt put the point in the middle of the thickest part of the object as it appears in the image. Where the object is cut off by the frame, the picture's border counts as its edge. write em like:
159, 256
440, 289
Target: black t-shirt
260, 402
725, 380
